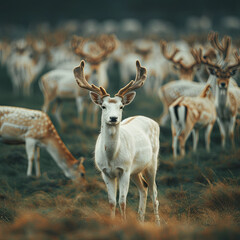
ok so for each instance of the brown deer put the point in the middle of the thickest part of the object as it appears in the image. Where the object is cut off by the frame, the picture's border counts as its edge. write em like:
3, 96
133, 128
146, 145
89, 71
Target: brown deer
189, 114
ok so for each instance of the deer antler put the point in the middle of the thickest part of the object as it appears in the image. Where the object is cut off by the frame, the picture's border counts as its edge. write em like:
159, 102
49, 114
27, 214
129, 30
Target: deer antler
83, 83
237, 64
141, 76
223, 47
106, 44
178, 62
205, 60
163, 45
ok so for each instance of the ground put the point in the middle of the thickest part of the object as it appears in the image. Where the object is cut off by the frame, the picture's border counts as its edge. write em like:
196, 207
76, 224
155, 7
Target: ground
199, 195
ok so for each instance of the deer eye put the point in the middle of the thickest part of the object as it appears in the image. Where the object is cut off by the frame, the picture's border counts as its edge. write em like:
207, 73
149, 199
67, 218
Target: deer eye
121, 107
103, 107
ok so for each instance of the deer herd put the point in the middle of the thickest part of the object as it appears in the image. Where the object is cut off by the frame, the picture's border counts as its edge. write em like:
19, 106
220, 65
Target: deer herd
204, 92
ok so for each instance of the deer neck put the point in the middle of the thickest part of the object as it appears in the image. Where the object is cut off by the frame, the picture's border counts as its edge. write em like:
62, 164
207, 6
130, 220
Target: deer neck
59, 152
221, 97
111, 140
187, 76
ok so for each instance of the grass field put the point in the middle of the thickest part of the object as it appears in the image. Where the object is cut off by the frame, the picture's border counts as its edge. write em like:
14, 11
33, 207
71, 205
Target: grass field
199, 195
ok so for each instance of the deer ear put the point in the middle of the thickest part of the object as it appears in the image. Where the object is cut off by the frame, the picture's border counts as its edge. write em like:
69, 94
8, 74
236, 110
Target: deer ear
96, 98
233, 72
211, 71
128, 98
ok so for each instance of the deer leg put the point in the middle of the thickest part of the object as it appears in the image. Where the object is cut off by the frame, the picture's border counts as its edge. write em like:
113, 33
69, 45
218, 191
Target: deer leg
142, 189
174, 145
222, 131
30, 149
150, 174
80, 107
165, 116
207, 136
123, 191
36, 160
182, 142
195, 139
95, 116
231, 130
112, 190
89, 114
58, 114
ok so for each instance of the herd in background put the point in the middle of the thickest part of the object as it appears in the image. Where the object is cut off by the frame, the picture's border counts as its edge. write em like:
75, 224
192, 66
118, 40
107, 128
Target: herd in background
204, 91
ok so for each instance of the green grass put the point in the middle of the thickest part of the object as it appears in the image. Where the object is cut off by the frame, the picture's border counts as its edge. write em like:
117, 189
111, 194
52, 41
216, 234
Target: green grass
199, 195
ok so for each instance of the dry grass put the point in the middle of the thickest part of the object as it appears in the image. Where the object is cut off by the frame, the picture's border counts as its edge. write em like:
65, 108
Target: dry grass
199, 195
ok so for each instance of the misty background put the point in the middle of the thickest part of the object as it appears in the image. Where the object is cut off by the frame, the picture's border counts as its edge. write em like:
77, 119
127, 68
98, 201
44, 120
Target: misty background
27, 12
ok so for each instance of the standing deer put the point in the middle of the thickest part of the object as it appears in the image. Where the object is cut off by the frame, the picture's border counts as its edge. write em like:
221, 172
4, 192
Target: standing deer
169, 92
35, 129
226, 97
188, 114
125, 149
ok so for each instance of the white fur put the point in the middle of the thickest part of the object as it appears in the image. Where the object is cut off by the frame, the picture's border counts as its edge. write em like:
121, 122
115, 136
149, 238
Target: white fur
124, 150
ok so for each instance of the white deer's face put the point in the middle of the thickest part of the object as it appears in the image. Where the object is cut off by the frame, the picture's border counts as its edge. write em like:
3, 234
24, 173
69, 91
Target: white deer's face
112, 108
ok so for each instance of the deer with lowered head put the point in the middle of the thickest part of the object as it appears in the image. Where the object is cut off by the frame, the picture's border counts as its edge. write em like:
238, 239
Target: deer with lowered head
125, 149
35, 129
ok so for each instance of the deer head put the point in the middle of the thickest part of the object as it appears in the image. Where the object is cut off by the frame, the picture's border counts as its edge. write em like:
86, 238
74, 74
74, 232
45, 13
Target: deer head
111, 107
223, 73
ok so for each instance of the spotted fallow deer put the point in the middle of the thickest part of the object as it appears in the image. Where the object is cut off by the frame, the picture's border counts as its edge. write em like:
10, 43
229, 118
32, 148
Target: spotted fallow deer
35, 129
226, 96
188, 114
125, 149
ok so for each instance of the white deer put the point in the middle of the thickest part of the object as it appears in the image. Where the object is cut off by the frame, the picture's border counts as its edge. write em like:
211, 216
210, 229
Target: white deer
35, 129
125, 149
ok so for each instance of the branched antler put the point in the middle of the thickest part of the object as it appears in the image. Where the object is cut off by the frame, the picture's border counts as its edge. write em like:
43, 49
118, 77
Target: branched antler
205, 60
223, 47
141, 76
105, 43
178, 62
163, 45
83, 83
237, 64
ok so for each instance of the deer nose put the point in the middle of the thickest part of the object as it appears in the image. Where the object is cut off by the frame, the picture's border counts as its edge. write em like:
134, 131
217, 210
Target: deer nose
113, 119
223, 84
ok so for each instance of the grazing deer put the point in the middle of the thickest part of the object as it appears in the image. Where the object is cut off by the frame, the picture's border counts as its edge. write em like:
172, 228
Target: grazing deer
35, 129
127, 149
226, 97
188, 114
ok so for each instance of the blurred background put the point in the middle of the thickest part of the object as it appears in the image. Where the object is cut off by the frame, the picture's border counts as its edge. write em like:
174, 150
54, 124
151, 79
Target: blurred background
40, 44
27, 12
